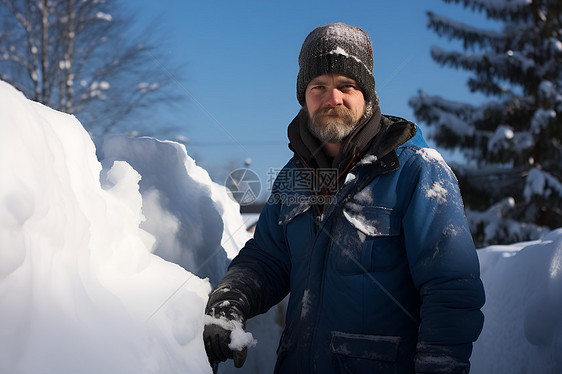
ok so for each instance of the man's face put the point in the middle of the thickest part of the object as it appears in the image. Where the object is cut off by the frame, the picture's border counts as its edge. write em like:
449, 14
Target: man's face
335, 104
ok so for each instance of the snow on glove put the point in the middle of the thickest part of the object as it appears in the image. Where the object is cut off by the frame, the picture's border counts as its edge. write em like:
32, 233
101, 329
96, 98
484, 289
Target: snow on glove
224, 336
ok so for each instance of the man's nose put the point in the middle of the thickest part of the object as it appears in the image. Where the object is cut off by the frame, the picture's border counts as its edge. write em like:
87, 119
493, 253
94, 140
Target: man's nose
334, 97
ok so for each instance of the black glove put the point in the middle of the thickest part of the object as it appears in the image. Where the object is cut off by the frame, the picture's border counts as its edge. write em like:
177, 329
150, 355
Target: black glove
216, 336
229, 307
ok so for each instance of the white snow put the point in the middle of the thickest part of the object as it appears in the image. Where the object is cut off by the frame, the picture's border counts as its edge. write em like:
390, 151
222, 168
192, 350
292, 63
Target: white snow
104, 85
341, 31
501, 135
541, 119
522, 60
250, 220
548, 90
521, 141
541, 183
432, 155
369, 159
349, 178
145, 87
80, 290
104, 16
84, 288
365, 196
239, 339
523, 312
556, 44
437, 192
197, 225
306, 304
361, 223
455, 116
451, 231
497, 226
341, 51
64, 64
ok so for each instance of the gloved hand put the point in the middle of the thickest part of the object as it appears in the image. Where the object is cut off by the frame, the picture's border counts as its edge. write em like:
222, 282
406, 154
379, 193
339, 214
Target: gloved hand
216, 335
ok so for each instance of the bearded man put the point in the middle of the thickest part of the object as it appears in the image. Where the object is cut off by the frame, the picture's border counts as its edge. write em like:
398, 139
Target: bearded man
375, 251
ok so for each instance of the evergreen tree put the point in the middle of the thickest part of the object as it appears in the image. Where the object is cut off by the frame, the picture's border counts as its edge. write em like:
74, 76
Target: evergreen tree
511, 182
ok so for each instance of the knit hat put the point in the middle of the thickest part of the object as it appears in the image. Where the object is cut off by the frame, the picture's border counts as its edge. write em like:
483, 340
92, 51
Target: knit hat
338, 48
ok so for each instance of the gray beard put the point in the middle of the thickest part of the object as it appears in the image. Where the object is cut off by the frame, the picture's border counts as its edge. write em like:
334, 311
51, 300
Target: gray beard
332, 130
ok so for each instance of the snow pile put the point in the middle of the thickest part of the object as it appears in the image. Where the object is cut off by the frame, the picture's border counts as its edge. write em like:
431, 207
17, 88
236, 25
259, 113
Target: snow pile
197, 225
523, 312
80, 290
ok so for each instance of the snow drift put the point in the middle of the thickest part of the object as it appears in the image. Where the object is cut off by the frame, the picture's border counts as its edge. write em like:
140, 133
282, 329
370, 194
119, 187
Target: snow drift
196, 224
80, 290
523, 312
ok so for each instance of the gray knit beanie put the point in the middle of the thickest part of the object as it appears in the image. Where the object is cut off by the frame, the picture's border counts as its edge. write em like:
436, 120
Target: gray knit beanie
338, 48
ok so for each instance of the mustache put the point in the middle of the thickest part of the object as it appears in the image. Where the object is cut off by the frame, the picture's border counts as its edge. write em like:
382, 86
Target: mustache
338, 110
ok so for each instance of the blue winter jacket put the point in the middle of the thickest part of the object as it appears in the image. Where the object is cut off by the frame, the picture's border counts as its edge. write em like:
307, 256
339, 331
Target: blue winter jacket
386, 282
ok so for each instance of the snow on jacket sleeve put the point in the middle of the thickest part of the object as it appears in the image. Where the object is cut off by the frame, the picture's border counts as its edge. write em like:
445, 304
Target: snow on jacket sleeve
444, 267
259, 276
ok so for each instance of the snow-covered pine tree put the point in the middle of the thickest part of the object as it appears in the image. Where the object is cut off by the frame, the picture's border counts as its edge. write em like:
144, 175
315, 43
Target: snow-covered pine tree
511, 181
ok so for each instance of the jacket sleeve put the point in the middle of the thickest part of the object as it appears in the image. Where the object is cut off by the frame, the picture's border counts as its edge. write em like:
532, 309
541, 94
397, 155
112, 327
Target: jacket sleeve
444, 268
258, 278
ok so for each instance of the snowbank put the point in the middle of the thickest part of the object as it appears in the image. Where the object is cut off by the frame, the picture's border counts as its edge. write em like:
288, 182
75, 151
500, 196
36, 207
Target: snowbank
197, 225
523, 312
80, 290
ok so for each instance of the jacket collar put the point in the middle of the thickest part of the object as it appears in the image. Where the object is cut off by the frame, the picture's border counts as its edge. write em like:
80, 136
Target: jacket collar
379, 158
303, 143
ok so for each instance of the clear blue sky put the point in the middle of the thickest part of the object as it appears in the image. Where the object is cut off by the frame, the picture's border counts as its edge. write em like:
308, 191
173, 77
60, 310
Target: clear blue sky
240, 68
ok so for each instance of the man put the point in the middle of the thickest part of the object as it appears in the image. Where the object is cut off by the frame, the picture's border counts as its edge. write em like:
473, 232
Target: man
375, 250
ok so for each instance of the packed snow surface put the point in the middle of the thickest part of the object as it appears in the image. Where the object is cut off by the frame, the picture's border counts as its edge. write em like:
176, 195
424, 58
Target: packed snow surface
195, 222
523, 312
84, 287
80, 289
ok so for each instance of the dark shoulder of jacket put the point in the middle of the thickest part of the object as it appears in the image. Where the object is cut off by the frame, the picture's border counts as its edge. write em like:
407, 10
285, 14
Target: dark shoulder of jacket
394, 132
417, 139
399, 128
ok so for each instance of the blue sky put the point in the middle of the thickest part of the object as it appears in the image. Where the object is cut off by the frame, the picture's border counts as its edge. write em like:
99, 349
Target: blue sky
240, 67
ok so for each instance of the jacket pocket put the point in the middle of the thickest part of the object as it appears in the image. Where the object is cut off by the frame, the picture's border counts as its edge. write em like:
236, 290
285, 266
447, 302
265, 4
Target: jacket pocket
358, 353
373, 241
